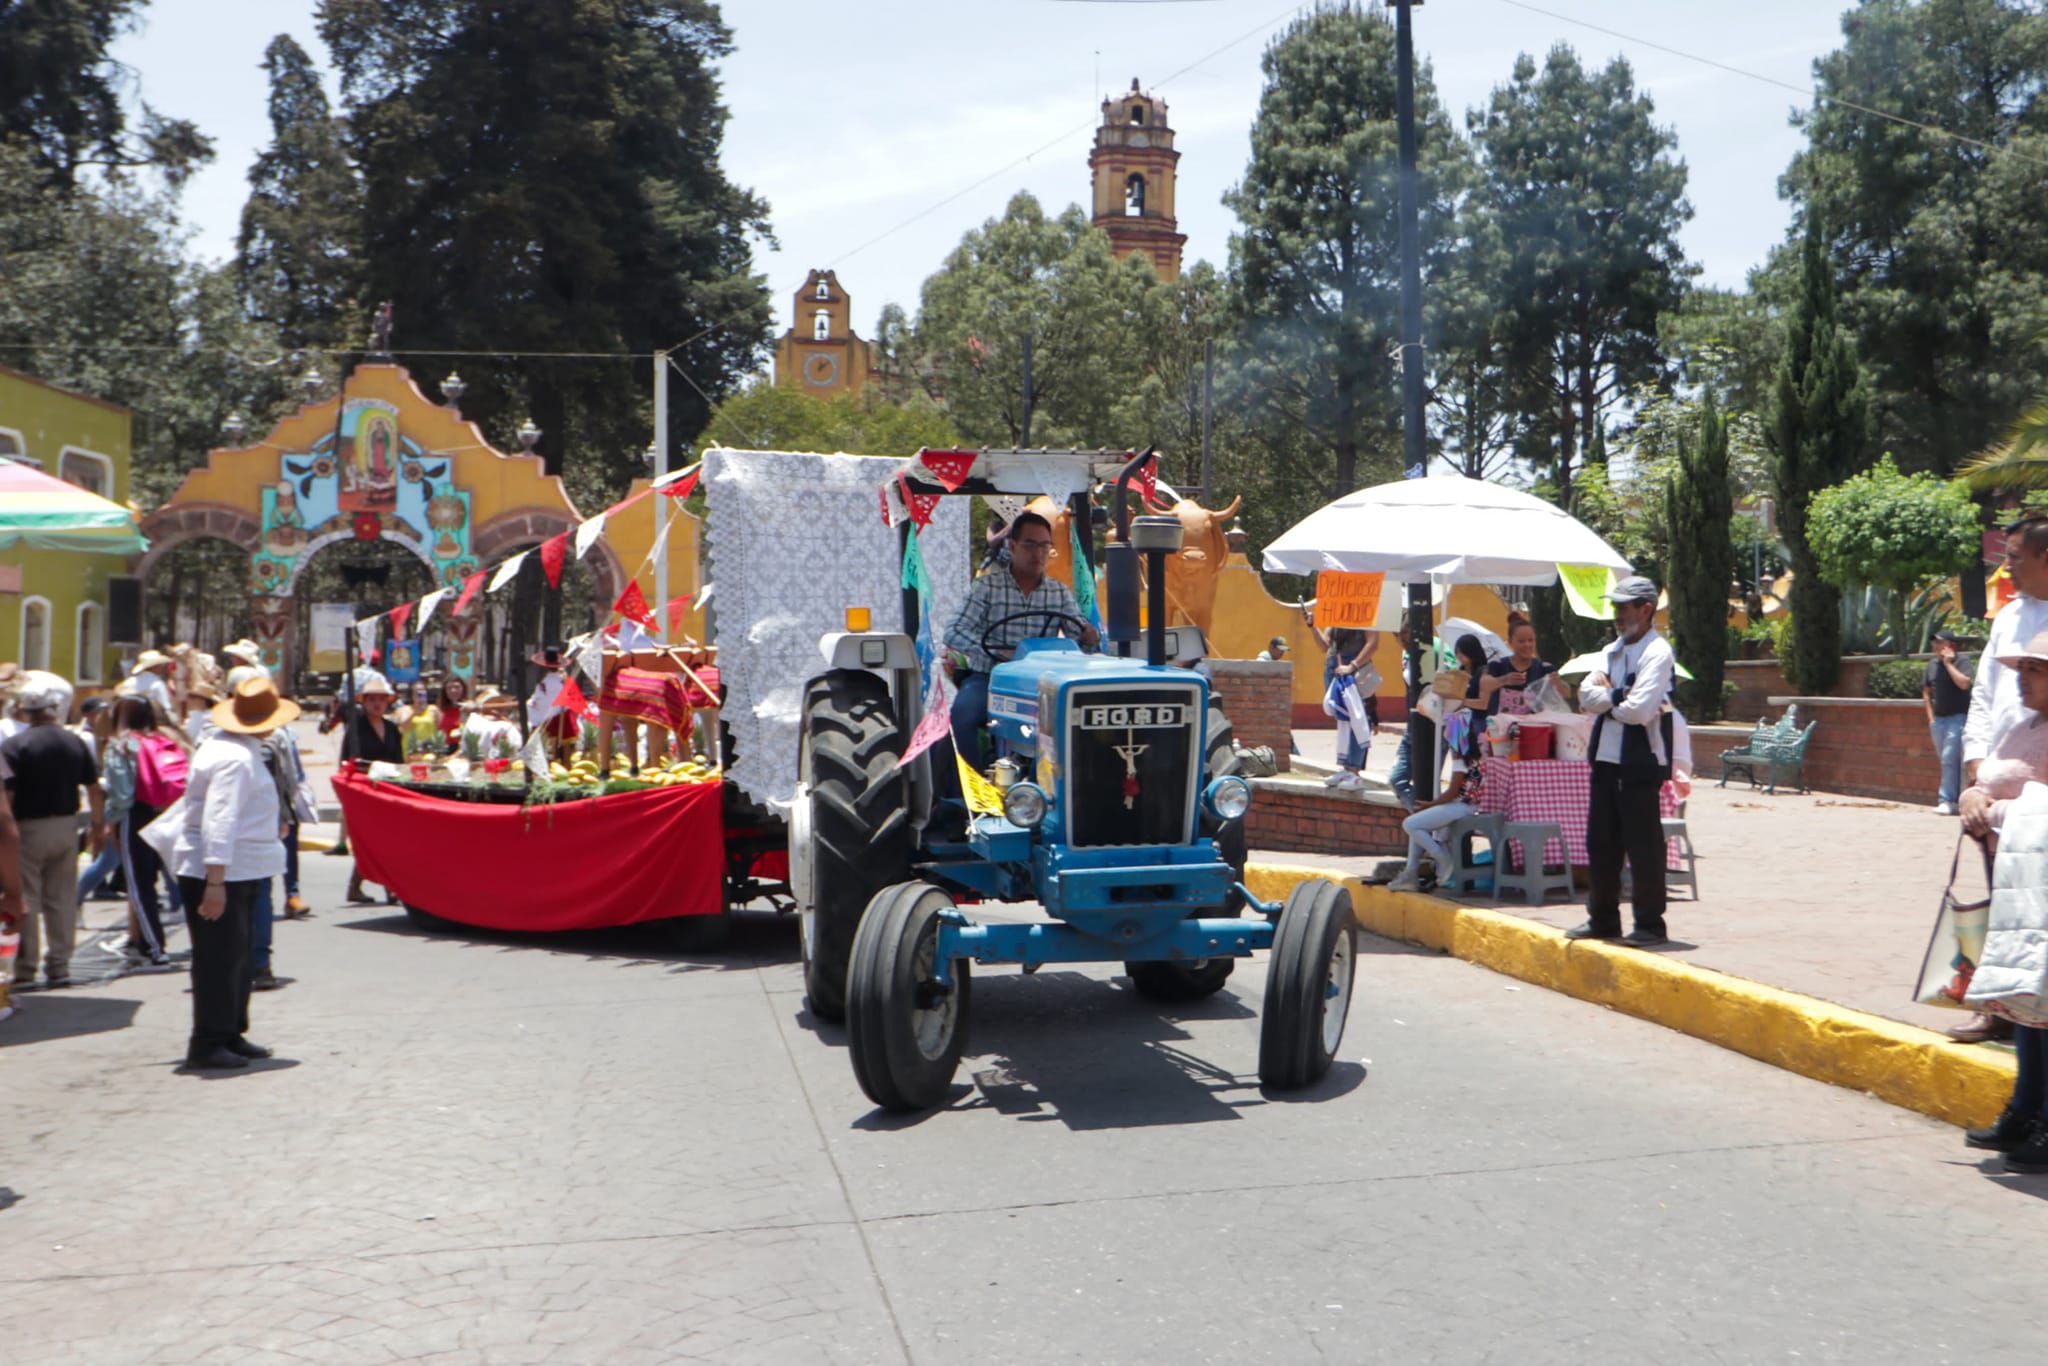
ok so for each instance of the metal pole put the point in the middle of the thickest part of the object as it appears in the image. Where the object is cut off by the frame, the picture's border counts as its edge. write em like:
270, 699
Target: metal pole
661, 502
1414, 452
1025, 441
1208, 400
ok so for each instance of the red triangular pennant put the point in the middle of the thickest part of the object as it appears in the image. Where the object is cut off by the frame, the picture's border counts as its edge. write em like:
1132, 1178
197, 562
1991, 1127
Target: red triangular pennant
1148, 475
920, 505
678, 607
400, 615
950, 468
471, 586
683, 487
553, 551
632, 605
571, 699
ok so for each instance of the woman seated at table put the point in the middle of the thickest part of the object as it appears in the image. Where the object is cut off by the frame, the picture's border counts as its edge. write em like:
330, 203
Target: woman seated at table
1502, 681
1462, 727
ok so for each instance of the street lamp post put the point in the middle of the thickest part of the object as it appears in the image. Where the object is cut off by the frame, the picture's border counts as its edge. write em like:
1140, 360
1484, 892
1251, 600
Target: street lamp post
1414, 449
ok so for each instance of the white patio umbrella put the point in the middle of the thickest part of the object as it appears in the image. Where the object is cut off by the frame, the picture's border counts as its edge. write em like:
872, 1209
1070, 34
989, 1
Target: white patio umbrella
1447, 528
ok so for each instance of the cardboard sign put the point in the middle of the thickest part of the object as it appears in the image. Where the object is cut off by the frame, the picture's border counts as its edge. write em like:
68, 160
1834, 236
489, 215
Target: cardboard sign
1351, 600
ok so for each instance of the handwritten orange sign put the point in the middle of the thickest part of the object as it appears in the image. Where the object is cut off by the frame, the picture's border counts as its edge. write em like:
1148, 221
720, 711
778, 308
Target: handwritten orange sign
1351, 600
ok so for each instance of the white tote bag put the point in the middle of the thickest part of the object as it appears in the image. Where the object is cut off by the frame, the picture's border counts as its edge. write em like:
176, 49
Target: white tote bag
162, 833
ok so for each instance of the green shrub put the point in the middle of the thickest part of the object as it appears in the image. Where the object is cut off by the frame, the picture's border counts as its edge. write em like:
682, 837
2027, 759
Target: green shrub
1896, 678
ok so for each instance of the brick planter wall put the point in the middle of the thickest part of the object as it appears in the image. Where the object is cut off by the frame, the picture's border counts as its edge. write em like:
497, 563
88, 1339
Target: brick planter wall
1305, 818
1258, 697
1867, 747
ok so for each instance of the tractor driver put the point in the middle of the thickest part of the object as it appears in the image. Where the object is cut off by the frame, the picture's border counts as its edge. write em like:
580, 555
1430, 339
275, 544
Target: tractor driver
1021, 586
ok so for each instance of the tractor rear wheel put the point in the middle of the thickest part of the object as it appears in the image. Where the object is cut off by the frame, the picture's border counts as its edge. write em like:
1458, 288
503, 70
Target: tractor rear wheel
1174, 982
1308, 985
857, 820
904, 1030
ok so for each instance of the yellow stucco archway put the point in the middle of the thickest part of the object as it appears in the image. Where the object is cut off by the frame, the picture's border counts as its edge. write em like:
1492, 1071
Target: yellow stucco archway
382, 461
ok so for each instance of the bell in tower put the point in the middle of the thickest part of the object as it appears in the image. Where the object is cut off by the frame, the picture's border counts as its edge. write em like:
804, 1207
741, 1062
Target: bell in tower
1133, 166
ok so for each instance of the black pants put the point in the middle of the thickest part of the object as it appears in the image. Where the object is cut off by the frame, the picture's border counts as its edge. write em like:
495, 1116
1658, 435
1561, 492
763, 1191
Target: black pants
220, 962
1622, 819
143, 868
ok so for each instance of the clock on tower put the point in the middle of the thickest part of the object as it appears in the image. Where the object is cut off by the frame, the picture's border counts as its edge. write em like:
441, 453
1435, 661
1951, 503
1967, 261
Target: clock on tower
820, 353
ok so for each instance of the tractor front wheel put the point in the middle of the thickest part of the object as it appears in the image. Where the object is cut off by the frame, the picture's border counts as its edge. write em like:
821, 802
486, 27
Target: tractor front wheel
905, 1030
1308, 985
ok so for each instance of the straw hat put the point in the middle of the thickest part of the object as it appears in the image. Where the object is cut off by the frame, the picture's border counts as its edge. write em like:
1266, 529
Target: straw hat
151, 659
255, 709
377, 683
496, 699
244, 649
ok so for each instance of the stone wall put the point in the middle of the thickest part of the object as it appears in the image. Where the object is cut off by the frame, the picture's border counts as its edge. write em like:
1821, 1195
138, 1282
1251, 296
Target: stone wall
1294, 817
1258, 696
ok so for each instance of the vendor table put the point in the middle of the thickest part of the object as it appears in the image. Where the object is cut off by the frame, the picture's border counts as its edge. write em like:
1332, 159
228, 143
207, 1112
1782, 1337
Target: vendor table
572, 865
1553, 790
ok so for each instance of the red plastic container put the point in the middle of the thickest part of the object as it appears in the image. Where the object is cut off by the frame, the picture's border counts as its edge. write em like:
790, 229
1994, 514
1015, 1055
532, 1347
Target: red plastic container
1536, 740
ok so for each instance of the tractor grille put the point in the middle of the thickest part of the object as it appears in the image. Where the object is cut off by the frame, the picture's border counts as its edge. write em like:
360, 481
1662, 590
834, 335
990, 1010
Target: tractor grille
1159, 728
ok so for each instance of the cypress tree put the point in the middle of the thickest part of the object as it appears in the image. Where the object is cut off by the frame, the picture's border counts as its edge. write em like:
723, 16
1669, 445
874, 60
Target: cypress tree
1819, 434
1699, 508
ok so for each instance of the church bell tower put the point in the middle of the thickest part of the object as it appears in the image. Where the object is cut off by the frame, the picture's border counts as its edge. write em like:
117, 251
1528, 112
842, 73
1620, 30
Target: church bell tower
1133, 164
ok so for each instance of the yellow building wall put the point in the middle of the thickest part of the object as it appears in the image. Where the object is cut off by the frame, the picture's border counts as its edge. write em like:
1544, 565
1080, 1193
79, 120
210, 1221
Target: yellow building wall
46, 420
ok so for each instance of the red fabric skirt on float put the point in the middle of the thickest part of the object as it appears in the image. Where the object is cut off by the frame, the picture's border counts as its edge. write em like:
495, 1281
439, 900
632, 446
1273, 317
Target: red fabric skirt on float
573, 865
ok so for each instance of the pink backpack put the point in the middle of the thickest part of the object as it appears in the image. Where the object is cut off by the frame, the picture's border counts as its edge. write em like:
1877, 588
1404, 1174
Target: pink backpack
160, 767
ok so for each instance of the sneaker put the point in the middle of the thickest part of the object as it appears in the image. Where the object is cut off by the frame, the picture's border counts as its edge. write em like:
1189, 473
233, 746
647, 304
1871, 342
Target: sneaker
1646, 937
1348, 782
1405, 882
2031, 1157
2009, 1132
1944, 809
295, 906
1333, 779
1591, 931
1981, 1029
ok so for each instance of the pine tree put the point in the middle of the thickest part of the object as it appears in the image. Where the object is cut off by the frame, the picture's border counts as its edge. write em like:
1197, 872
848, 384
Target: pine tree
1316, 260
1819, 435
298, 257
545, 179
1699, 508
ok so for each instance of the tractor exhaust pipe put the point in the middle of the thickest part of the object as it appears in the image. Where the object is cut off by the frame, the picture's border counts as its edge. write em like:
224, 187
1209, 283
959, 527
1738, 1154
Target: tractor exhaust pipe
1120, 564
1155, 538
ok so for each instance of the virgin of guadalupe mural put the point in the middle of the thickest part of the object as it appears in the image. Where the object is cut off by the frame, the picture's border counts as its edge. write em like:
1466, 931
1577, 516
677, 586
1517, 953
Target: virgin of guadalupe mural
370, 462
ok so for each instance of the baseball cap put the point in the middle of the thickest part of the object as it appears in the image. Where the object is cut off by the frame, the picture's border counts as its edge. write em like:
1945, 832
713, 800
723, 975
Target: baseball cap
1634, 588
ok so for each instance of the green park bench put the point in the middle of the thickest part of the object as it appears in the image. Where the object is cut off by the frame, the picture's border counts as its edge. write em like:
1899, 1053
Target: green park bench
1779, 747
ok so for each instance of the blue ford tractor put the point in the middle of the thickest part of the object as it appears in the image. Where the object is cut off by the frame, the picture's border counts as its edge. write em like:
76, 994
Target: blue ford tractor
1121, 816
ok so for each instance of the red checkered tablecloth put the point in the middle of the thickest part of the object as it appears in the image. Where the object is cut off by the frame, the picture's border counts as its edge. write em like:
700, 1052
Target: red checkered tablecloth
1553, 790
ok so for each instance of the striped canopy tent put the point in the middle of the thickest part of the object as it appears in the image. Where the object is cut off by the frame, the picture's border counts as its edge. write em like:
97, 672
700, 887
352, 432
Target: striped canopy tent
48, 514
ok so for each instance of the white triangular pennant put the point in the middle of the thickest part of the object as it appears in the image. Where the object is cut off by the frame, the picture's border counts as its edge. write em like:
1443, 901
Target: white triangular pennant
1057, 479
366, 639
674, 475
1006, 505
896, 513
427, 606
506, 572
590, 659
535, 755
587, 534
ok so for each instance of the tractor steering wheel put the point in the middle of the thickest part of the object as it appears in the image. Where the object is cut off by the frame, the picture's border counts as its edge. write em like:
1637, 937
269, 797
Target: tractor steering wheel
1049, 614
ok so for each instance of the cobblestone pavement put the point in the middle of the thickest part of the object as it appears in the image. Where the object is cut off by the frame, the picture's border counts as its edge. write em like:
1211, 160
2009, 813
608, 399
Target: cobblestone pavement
591, 1149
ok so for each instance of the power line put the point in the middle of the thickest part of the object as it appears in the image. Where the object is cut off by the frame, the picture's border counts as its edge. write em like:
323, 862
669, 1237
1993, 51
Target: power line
1810, 92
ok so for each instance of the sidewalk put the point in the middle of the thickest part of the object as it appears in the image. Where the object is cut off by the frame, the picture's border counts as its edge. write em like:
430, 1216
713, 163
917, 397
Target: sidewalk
1826, 897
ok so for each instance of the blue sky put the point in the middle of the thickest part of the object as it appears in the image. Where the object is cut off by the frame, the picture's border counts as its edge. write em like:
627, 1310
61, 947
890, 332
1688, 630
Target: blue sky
900, 120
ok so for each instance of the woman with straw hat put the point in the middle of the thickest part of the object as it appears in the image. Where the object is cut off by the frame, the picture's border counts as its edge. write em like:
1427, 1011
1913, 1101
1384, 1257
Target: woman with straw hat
232, 841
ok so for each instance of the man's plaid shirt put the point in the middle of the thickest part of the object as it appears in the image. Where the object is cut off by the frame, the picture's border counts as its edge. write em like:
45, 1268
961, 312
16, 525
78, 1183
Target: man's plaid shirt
994, 596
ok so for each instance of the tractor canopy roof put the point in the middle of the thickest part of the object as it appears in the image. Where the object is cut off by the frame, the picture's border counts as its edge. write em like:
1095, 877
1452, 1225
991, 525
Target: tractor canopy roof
1056, 474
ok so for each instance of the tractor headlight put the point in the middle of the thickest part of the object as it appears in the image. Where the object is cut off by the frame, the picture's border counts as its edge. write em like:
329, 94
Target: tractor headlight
1228, 798
1024, 804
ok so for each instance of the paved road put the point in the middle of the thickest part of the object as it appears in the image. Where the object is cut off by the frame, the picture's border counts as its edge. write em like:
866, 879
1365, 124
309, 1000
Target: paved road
592, 1150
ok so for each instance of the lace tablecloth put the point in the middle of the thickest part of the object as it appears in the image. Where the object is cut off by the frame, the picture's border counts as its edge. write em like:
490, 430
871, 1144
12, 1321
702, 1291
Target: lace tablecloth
794, 540
1554, 790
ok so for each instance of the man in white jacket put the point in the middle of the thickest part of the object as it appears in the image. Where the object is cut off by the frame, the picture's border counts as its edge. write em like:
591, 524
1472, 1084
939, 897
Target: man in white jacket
1631, 762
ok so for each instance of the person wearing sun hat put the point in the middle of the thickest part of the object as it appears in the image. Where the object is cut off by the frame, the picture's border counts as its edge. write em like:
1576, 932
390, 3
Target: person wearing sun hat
245, 653
231, 842
151, 679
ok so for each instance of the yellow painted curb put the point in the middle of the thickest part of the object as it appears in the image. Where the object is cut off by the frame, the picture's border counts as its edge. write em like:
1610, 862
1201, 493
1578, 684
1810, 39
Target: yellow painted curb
1899, 1063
